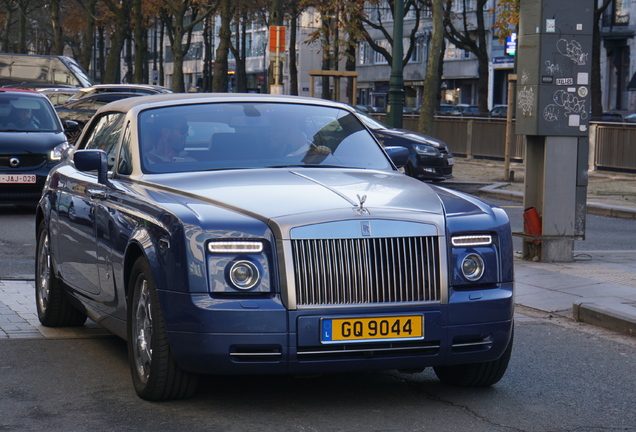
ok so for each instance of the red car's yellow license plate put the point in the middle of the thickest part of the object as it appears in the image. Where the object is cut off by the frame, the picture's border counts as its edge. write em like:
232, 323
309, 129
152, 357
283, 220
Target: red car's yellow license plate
372, 328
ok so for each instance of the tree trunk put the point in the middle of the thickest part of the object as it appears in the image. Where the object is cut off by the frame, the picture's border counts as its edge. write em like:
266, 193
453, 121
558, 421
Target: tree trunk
293, 67
22, 27
207, 56
326, 57
595, 82
6, 44
56, 24
88, 38
431, 81
140, 45
219, 82
112, 73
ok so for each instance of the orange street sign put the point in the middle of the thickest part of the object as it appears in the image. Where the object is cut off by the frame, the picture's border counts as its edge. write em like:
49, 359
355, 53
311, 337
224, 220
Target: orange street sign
276, 38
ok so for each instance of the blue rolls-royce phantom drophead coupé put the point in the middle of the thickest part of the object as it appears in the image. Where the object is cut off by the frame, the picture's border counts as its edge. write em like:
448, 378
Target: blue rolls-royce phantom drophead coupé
259, 234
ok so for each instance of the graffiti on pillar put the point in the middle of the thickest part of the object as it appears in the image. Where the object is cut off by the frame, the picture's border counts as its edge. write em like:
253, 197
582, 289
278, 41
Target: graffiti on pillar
551, 68
572, 50
524, 77
571, 105
525, 101
551, 113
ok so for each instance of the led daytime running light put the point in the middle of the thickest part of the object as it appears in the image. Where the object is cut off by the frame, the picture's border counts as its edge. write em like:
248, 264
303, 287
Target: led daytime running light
235, 247
472, 240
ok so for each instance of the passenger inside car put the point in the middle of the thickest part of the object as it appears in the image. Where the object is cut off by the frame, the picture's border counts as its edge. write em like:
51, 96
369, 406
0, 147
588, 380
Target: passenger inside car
22, 119
169, 140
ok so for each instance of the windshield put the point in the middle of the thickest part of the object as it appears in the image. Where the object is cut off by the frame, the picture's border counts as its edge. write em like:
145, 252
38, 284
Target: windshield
255, 135
24, 112
370, 122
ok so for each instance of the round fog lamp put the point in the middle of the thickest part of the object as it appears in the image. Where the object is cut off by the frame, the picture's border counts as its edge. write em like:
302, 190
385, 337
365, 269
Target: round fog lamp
244, 275
473, 267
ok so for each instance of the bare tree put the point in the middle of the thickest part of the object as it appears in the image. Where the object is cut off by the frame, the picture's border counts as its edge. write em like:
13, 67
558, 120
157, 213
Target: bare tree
174, 14
467, 30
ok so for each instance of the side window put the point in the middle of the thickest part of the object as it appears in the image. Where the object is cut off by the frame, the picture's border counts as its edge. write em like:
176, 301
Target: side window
124, 165
105, 135
85, 105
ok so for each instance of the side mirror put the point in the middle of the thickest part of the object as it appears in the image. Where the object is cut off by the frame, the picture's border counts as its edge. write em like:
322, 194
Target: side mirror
71, 126
399, 155
92, 160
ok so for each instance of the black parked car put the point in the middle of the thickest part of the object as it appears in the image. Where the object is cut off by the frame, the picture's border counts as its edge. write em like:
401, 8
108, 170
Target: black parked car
82, 110
429, 158
32, 141
143, 89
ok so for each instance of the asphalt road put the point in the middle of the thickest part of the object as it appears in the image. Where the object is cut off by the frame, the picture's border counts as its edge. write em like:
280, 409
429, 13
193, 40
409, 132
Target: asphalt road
562, 377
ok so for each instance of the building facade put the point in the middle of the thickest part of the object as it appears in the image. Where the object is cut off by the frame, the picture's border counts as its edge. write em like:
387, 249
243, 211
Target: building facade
460, 68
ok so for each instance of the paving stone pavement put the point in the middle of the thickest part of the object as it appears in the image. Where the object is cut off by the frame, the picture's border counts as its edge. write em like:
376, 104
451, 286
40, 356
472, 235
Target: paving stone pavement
19, 319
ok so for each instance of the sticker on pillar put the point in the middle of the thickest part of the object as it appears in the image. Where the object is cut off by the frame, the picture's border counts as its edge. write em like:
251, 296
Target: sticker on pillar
582, 92
574, 120
550, 25
583, 78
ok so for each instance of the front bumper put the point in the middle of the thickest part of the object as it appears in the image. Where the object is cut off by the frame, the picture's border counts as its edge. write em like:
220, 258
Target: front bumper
431, 168
259, 336
23, 192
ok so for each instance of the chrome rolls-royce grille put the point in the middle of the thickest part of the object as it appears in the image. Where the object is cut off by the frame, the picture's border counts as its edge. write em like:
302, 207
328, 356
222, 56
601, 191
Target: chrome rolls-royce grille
366, 270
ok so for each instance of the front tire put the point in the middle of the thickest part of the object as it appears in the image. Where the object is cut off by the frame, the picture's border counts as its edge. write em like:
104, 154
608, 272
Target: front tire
476, 374
155, 374
54, 309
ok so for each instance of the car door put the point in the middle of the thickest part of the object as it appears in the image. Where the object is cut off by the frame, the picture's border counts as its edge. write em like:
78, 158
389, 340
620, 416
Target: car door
80, 198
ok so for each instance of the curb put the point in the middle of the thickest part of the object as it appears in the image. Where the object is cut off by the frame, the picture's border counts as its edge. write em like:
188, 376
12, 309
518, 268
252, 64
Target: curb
492, 190
618, 317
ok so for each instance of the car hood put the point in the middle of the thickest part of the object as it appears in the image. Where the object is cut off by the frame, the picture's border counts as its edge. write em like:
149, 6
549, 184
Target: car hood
305, 195
16, 143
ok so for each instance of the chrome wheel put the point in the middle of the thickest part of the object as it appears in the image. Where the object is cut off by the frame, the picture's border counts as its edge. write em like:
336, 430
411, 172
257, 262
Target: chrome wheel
155, 374
142, 330
43, 288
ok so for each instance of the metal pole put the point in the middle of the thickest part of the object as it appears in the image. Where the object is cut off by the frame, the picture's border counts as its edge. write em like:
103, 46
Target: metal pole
396, 83
509, 129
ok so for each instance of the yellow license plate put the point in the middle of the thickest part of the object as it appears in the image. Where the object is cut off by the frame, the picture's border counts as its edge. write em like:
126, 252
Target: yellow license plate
372, 328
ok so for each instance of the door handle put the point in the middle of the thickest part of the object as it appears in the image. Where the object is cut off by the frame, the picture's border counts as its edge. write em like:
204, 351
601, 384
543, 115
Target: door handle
97, 193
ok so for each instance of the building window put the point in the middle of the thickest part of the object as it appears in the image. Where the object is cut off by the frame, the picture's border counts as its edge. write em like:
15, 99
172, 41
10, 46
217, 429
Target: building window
417, 50
364, 54
454, 53
379, 58
617, 14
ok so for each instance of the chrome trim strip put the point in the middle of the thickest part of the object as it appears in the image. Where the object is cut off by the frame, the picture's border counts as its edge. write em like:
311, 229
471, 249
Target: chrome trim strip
424, 347
471, 344
269, 354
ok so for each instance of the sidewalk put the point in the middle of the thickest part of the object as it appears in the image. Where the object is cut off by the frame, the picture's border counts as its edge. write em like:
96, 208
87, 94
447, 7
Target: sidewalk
600, 290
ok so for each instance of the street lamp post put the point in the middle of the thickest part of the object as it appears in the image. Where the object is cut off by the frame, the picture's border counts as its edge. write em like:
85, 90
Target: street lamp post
396, 83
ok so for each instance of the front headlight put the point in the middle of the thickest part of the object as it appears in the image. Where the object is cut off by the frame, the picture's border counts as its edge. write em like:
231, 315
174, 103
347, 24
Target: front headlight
56, 153
238, 266
473, 267
475, 260
426, 150
244, 275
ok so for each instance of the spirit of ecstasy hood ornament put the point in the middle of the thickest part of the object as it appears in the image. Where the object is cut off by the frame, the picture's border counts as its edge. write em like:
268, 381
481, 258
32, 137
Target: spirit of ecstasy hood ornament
361, 210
